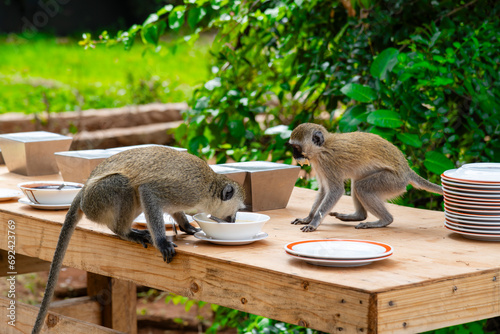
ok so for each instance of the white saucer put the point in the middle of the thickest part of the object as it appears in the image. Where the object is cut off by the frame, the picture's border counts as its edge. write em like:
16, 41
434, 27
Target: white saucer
259, 236
167, 219
338, 263
26, 201
461, 185
7, 194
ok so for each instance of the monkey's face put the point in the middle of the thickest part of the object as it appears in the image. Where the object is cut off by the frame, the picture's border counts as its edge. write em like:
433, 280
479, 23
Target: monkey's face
231, 200
306, 140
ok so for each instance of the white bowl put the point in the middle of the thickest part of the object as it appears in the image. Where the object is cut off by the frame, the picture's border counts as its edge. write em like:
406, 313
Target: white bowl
48, 192
247, 225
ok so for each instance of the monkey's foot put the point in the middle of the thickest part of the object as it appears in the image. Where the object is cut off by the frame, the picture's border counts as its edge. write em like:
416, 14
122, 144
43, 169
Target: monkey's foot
348, 217
142, 237
299, 221
308, 228
167, 249
375, 224
190, 229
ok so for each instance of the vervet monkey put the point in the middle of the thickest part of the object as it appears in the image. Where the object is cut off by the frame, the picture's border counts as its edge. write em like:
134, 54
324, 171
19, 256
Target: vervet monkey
377, 169
151, 179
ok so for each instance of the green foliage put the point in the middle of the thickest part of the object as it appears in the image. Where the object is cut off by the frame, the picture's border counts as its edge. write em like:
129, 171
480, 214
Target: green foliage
48, 73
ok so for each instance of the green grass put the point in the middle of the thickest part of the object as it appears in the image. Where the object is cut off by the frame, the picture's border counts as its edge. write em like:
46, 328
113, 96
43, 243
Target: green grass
58, 74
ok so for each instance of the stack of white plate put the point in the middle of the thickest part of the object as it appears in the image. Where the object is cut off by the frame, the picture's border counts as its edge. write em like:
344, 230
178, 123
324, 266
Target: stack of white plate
338, 252
472, 200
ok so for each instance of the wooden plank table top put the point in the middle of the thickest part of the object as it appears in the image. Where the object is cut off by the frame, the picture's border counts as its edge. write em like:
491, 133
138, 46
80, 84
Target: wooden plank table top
434, 279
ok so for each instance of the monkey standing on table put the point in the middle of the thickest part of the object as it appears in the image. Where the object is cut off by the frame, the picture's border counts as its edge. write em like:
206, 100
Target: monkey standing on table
151, 179
377, 169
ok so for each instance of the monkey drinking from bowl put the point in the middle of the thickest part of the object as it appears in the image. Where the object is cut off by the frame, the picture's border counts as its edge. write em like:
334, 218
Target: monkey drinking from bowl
378, 171
151, 179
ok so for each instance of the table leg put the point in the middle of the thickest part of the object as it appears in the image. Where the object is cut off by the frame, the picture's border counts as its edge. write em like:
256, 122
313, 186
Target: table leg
118, 299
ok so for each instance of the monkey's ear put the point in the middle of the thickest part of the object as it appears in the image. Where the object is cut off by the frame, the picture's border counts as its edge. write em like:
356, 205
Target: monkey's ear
318, 138
227, 192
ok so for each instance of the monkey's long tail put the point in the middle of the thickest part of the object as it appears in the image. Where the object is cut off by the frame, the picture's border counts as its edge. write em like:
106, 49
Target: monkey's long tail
72, 217
420, 183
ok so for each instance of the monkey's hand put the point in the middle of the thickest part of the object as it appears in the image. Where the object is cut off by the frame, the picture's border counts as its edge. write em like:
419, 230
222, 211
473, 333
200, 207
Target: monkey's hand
299, 221
308, 228
167, 249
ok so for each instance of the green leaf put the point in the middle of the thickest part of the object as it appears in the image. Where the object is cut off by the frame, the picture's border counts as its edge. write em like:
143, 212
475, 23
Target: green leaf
384, 63
409, 139
196, 143
385, 118
195, 15
352, 117
359, 92
236, 128
437, 162
176, 18
385, 133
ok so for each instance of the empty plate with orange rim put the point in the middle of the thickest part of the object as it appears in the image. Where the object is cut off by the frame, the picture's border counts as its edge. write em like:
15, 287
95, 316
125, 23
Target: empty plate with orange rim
339, 252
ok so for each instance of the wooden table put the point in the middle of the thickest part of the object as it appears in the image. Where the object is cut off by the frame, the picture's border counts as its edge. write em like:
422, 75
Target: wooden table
434, 279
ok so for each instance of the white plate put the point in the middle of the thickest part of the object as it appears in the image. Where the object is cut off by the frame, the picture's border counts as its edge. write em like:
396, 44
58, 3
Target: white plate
338, 249
478, 219
476, 212
7, 194
477, 236
26, 201
167, 219
470, 185
487, 191
338, 263
472, 201
481, 195
492, 226
469, 198
471, 221
259, 236
479, 172
471, 230
486, 207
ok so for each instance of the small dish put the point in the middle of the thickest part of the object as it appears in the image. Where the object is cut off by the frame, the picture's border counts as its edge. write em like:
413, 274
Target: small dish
8, 194
50, 192
338, 249
247, 225
26, 201
141, 219
338, 263
259, 236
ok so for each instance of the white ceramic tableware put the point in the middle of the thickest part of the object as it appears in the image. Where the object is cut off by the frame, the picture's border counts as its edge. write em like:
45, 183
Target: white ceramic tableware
7, 194
26, 201
338, 263
488, 172
476, 236
259, 236
339, 249
246, 226
493, 227
50, 192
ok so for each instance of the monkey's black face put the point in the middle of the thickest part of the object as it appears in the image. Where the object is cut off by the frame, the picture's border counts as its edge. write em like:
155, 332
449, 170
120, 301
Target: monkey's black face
297, 152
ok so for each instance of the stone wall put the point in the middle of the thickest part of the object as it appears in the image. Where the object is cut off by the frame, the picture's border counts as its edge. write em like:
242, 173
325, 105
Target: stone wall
104, 128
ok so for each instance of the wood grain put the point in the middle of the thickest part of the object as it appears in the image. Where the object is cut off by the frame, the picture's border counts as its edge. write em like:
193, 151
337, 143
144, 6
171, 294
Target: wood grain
57, 324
